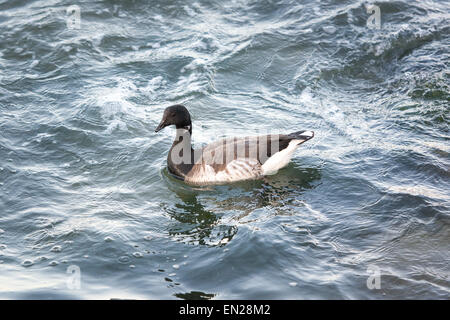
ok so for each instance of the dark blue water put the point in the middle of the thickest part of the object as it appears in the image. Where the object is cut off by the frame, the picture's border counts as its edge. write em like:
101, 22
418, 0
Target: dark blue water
83, 183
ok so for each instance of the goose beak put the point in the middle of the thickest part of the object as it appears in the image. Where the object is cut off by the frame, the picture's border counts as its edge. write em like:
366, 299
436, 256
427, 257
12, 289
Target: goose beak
161, 126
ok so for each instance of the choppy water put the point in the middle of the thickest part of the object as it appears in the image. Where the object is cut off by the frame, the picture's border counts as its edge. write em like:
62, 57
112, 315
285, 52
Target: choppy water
83, 184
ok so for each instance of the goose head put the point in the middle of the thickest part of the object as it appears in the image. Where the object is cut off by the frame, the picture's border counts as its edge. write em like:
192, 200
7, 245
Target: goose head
176, 115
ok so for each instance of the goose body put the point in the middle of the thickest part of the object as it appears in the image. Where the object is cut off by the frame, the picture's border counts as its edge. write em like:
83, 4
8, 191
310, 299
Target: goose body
227, 160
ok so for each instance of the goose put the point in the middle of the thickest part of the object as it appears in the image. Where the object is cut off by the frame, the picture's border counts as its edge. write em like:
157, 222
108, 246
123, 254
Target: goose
227, 160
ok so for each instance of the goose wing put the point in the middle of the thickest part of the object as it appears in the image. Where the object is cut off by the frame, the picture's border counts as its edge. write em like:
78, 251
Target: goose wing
242, 158
257, 148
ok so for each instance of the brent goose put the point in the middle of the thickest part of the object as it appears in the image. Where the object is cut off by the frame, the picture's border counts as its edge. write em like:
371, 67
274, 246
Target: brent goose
226, 160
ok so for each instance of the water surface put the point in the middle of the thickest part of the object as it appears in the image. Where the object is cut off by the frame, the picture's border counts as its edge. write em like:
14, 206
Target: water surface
83, 179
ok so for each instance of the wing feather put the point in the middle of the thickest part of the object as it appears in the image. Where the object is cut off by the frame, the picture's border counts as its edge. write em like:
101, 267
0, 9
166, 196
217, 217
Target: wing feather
220, 153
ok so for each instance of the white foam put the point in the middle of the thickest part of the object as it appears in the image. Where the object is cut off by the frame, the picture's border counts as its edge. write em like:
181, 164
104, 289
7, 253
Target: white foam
116, 124
114, 102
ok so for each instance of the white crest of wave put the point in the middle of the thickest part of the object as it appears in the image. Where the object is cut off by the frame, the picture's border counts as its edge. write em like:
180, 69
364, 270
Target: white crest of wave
115, 102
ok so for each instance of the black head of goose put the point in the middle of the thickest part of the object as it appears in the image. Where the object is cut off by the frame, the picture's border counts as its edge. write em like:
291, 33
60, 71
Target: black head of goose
229, 159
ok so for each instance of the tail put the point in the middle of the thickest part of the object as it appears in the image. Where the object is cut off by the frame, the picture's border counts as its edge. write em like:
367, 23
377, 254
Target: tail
302, 135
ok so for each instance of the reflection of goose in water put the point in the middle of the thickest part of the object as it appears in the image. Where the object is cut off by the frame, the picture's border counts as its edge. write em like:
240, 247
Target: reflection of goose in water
196, 224
274, 191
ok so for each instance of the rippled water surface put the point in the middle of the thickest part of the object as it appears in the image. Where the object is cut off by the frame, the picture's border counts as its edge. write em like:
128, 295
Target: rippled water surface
83, 180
